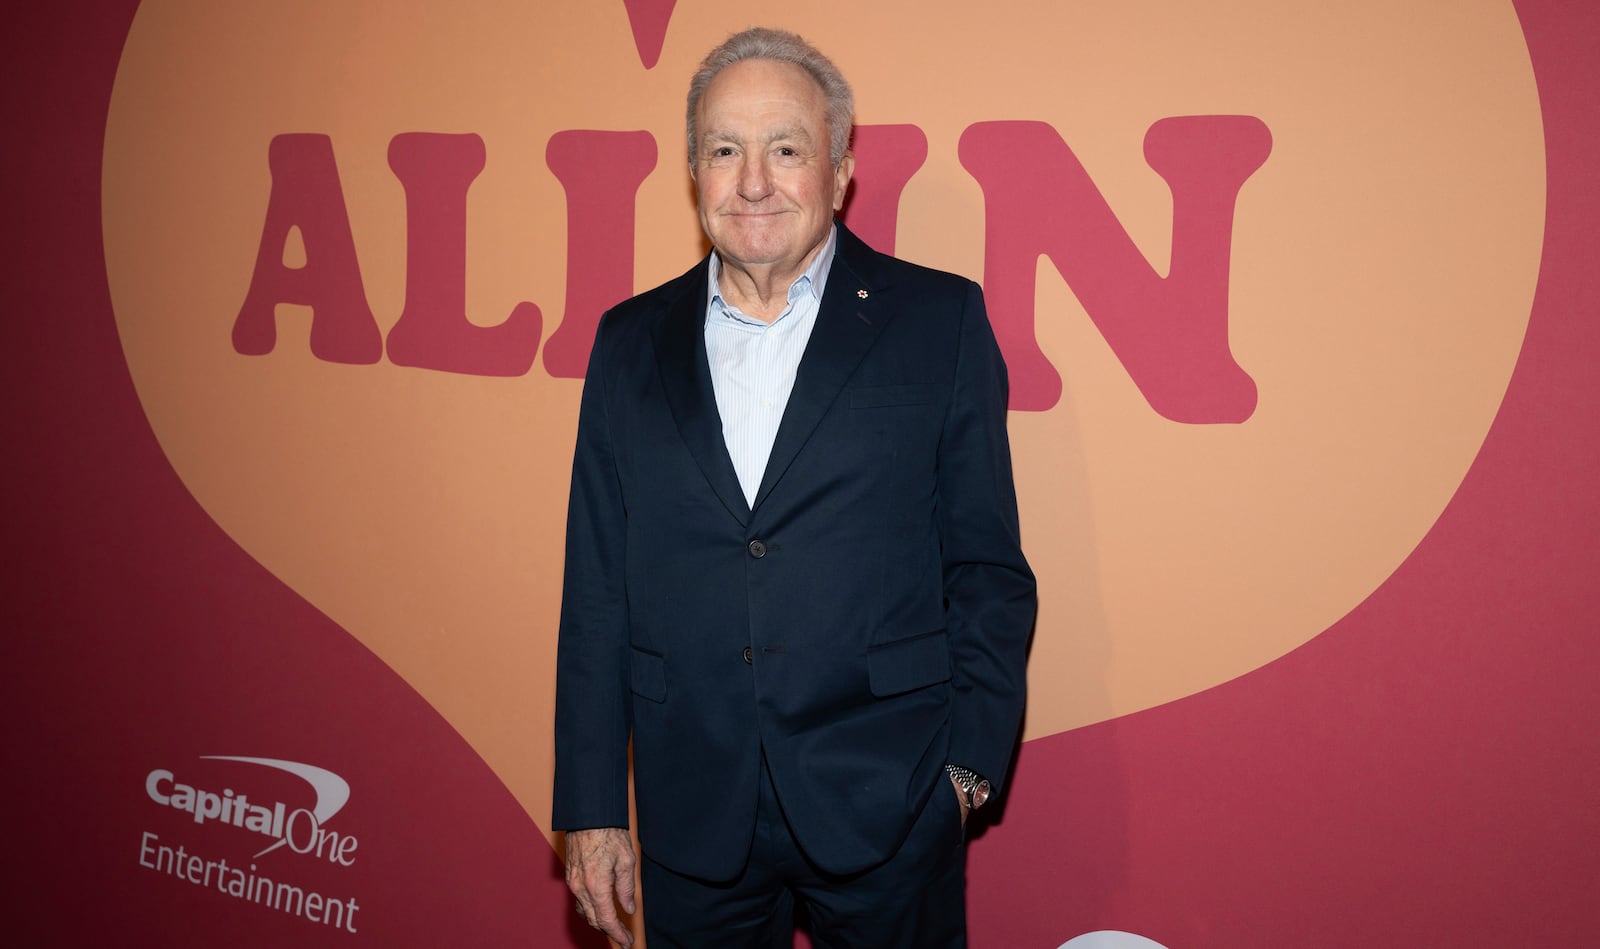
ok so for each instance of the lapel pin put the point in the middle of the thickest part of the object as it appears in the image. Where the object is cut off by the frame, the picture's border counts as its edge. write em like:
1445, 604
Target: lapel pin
862, 294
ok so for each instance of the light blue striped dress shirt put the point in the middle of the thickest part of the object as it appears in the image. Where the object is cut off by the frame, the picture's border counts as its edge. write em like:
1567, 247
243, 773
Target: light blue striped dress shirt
753, 365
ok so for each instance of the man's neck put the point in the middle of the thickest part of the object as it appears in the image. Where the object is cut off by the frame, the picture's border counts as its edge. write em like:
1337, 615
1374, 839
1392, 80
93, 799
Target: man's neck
761, 292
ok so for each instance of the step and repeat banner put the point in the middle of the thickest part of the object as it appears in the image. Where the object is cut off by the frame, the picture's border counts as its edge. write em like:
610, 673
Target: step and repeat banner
1298, 302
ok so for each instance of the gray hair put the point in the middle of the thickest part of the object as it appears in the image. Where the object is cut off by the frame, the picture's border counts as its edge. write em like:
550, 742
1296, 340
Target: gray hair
784, 47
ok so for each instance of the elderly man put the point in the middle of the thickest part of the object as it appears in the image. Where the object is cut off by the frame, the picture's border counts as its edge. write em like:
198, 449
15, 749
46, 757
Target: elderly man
794, 578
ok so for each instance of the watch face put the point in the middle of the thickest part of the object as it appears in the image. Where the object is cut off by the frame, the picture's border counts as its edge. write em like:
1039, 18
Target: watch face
980, 793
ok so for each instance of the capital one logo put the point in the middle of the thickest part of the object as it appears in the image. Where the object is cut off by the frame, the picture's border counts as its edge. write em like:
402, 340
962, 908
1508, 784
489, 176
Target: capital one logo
303, 830
1260, 278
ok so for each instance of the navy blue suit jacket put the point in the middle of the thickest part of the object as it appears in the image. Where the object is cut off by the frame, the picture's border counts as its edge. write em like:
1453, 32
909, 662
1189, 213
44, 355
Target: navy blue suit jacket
863, 624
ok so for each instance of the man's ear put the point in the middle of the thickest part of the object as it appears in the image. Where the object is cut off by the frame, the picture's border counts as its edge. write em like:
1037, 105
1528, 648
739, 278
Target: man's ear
841, 178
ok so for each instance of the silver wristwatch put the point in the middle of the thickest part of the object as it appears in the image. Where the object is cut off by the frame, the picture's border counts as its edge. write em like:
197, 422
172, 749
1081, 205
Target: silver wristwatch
974, 787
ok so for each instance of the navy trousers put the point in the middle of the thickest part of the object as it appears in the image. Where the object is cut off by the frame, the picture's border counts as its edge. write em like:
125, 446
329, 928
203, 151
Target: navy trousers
915, 900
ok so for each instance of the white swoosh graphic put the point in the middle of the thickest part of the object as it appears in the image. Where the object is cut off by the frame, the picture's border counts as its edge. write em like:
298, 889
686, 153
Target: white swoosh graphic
331, 790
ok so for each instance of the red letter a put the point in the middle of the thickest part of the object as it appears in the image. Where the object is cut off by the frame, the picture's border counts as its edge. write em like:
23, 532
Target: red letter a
1171, 332
306, 194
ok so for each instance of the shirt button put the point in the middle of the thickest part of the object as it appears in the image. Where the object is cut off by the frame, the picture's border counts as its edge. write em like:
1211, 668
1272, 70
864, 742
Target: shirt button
758, 549
747, 660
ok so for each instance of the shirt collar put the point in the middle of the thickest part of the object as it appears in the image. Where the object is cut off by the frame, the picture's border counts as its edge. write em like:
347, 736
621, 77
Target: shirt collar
813, 281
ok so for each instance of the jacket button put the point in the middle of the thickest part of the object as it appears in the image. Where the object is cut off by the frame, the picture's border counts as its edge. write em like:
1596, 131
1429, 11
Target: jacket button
758, 549
747, 656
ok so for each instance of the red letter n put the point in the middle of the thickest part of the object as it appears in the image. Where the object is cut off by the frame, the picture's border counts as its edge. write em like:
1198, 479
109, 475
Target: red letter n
1171, 333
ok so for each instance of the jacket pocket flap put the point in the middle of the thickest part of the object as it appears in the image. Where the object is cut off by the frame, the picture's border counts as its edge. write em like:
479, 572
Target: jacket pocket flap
908, 664
649, 675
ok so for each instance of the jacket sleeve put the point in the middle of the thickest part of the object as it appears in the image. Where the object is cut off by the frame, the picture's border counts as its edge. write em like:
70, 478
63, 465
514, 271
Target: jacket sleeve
989, 589
593, 713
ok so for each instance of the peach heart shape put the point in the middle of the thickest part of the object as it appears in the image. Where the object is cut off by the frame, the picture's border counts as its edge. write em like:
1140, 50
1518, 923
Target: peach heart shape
1380, 289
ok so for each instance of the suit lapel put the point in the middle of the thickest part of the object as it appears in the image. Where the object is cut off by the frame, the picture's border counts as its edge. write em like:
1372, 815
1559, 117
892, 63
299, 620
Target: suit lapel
848, 323
680, 342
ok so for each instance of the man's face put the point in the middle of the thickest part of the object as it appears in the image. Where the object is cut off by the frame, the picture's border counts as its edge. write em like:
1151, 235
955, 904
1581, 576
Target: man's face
767, 189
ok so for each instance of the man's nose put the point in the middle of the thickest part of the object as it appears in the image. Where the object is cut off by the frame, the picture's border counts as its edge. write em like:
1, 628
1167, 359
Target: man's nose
754, 181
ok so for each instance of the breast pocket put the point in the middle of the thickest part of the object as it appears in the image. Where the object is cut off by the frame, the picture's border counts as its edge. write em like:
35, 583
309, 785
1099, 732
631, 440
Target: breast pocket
883, 397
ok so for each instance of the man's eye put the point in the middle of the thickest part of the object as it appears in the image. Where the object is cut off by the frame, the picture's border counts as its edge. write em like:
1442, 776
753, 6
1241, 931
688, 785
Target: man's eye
787, 152
722, 152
